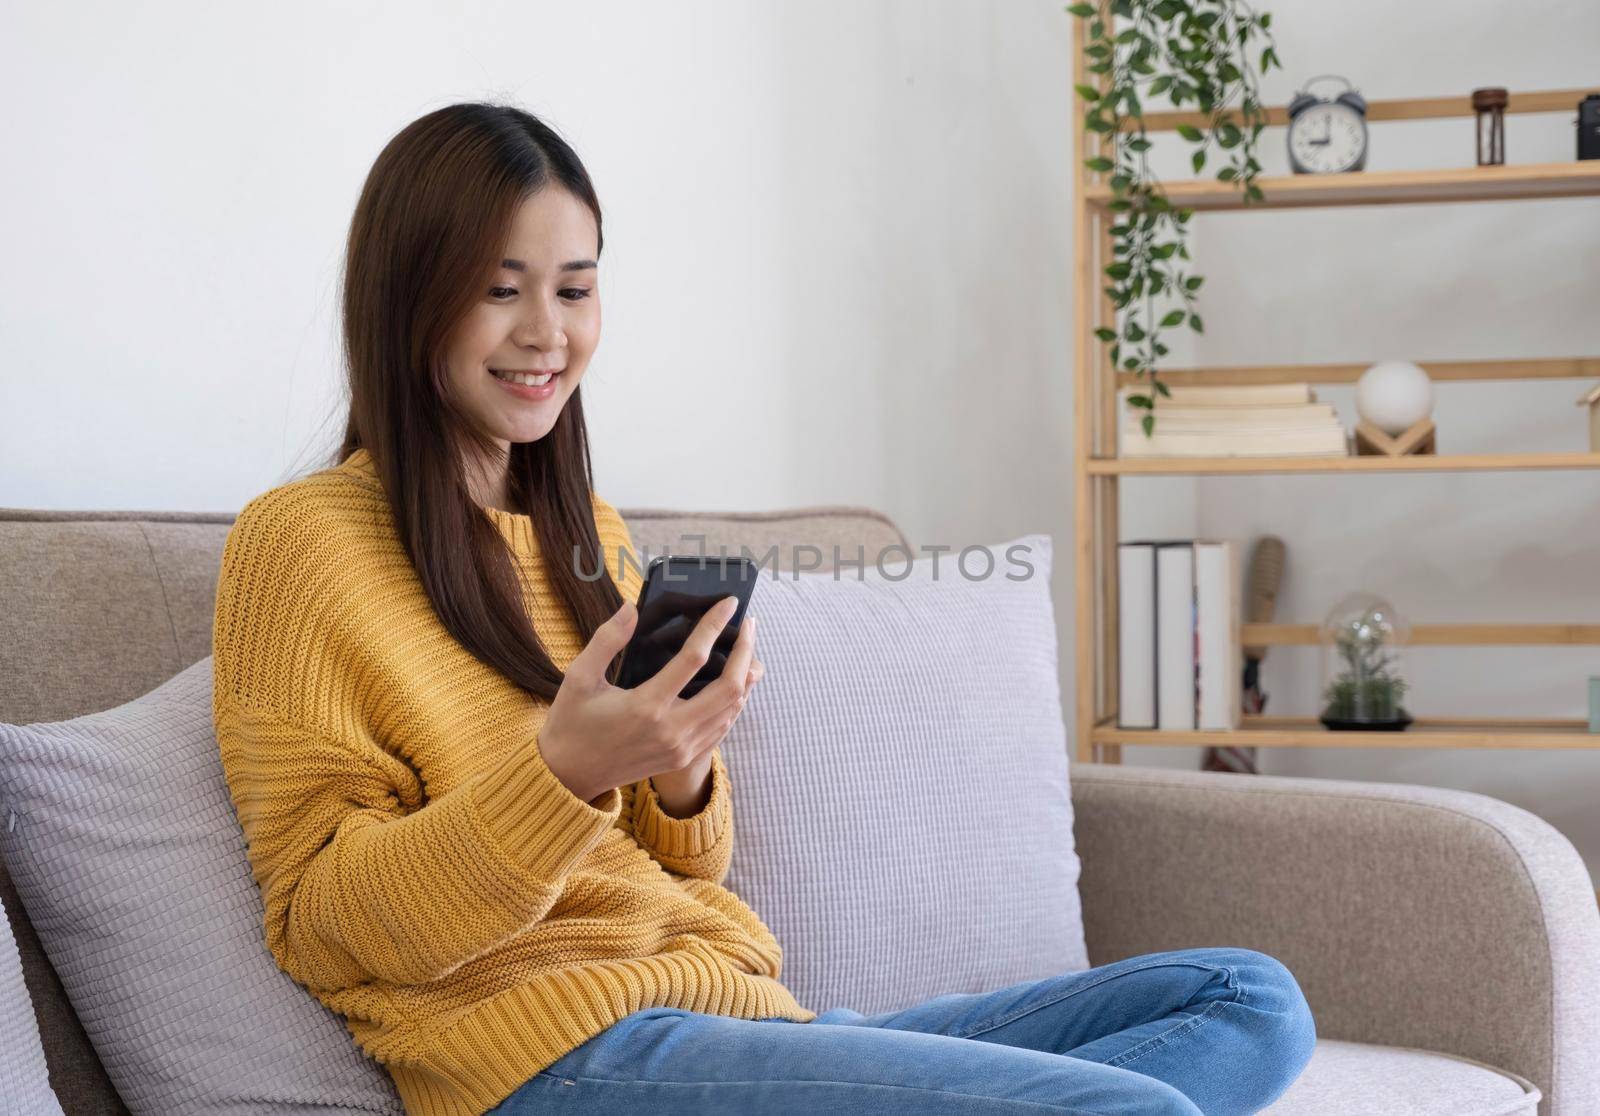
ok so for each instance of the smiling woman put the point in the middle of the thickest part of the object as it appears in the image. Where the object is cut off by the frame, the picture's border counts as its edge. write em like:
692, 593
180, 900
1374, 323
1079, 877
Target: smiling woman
473, 251
522, 348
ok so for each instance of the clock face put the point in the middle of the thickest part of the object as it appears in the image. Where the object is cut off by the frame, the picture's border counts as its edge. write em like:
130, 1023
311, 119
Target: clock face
1327, 138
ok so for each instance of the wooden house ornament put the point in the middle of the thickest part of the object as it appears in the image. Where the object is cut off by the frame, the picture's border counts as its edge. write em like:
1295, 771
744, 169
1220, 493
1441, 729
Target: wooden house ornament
1592, 401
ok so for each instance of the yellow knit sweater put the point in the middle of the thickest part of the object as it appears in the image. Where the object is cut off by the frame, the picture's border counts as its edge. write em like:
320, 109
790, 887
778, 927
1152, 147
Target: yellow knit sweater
424, 873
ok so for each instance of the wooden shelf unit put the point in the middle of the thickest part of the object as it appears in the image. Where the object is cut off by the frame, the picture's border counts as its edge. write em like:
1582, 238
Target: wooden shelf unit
1098, 469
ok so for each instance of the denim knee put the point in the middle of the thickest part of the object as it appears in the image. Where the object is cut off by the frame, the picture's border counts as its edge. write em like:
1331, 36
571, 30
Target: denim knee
1272, 990
1166, 1100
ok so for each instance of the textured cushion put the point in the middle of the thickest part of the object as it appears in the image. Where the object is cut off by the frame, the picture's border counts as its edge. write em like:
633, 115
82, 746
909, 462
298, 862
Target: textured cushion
128, 856
1357, 1079
24, 1081
903, 820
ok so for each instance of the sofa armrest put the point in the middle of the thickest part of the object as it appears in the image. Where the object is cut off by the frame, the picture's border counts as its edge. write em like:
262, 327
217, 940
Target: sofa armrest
1411, 916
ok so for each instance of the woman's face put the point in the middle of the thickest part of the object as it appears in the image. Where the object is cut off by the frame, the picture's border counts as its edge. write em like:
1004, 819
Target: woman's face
540, 312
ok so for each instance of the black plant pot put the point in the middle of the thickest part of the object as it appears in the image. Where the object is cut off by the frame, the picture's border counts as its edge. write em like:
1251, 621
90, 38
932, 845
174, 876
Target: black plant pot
1339, 724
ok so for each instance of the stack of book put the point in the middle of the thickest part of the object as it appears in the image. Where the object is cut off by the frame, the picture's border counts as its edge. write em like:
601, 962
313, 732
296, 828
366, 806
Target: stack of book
1181, 665
1234, 420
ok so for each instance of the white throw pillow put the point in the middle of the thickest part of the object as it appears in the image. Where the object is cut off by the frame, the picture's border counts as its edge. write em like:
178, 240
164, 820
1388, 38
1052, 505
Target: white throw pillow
129, 858
24, 1078
902, 811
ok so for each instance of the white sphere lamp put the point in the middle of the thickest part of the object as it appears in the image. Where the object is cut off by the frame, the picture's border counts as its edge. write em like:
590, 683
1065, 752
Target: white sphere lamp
1394, 395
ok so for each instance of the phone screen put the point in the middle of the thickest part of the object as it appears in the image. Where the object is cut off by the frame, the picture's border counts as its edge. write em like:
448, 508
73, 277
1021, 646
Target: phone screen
678, 591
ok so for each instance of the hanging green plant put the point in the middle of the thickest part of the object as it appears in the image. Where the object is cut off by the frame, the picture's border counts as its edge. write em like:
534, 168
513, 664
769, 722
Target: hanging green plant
1196, 53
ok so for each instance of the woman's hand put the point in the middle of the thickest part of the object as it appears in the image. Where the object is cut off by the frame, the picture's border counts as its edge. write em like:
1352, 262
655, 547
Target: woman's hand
684, 793
598, 736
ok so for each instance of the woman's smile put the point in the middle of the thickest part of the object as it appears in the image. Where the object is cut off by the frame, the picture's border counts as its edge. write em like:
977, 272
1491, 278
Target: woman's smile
523, 389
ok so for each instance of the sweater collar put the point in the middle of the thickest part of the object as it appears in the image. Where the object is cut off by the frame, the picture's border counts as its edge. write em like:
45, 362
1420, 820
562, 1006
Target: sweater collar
516, 529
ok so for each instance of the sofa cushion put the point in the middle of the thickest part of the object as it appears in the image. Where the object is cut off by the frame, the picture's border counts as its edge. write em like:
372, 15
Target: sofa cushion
124, 846
902, 813
24, 1080
1359, 1079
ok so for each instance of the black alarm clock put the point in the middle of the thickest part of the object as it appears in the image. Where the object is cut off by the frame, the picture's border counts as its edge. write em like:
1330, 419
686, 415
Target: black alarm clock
1327, 135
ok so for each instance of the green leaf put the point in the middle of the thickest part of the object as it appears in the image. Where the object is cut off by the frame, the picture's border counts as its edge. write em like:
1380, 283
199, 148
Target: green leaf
1229, 136
1106, 334
1199, 160
1141, 401
1226, 174
1193, 282
1119, 270
1087, 92
1194, 323
1127, 36
1265, 20
1162, 388
1137, 145
1082, 11
1190, 133
1172, 318
1099, 163
1149, 424
1163, 251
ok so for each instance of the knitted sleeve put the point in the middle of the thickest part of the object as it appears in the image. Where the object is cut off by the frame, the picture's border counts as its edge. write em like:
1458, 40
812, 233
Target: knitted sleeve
701, 845
361, 880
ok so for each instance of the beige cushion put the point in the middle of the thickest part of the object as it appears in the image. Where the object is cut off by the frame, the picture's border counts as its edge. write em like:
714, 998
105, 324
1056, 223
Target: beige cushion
1358, 1079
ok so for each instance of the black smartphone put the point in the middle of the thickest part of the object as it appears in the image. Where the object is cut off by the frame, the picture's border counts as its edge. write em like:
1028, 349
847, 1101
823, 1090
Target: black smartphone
678, 590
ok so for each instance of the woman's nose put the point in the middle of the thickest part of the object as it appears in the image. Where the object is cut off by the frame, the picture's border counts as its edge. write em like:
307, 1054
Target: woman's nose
543, 331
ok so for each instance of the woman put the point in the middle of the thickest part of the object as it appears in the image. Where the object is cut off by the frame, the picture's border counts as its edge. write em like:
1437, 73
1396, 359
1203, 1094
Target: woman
503, 871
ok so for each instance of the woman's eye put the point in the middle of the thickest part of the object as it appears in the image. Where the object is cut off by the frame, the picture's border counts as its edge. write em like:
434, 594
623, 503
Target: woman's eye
573, 293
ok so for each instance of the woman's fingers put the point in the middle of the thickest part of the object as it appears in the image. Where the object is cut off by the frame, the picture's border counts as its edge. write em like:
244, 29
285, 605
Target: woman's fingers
697, 649
730, 684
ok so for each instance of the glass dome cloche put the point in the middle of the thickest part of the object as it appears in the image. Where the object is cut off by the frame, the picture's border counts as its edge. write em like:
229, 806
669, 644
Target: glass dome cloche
1361, 665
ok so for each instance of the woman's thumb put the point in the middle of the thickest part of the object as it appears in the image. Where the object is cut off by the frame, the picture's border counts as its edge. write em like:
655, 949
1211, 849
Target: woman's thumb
608, 639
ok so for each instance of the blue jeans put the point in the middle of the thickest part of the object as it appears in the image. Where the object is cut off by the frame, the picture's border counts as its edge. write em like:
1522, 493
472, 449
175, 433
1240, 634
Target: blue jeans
1214, 1031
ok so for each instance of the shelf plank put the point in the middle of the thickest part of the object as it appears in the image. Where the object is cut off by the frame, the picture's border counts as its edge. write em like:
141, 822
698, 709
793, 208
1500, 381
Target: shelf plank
1425, 732
1413, 108
1438, 635
1542, 368
1579, 178
1420, 463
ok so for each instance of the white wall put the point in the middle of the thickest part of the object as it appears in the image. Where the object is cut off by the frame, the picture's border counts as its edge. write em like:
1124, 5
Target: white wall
838, 257
837, 265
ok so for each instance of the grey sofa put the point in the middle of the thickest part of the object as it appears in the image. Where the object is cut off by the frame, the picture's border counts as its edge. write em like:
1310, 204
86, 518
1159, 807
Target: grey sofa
1449, 943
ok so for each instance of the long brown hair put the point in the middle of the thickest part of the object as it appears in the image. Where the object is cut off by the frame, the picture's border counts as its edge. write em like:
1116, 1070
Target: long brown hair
428, 230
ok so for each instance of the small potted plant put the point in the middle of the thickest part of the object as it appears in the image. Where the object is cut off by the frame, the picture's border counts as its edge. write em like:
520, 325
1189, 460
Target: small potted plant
1360, 652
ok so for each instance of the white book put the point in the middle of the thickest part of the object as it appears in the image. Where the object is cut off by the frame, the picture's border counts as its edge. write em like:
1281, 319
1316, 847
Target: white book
1175, 635
1136, 635
1231, 395
1221, 659
1331, 442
